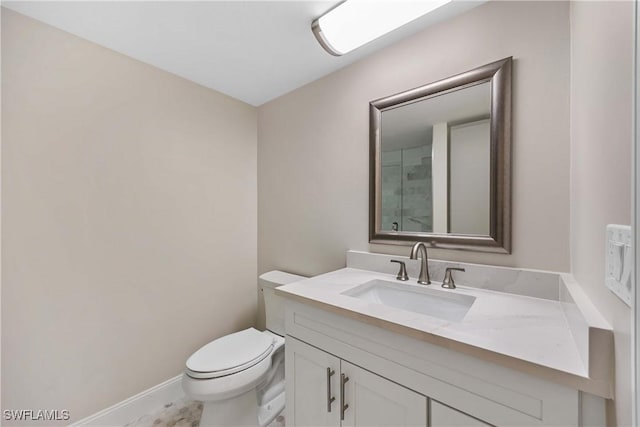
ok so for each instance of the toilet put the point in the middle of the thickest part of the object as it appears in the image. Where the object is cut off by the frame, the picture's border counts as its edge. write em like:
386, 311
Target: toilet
240, 377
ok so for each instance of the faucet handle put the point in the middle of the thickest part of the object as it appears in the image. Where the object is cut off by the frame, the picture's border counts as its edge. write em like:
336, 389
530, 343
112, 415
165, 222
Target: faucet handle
448, 282
402, 274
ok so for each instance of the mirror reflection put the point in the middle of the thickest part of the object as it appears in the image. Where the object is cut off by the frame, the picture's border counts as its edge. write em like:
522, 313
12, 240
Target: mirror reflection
435, 162
440, 169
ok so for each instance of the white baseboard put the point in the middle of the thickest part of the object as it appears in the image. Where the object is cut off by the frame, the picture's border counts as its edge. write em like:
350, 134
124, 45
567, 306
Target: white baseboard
136, 406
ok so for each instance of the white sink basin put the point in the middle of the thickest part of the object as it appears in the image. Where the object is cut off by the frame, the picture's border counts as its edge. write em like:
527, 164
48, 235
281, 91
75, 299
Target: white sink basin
437, 303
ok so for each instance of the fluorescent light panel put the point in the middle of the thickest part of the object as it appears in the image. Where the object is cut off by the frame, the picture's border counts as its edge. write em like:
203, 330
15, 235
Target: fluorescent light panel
356, 22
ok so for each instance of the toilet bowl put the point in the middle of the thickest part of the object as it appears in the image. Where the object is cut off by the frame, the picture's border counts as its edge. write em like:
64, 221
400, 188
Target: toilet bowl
240, 377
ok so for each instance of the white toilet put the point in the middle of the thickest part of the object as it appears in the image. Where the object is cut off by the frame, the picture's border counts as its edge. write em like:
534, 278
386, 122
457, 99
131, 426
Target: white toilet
240, 377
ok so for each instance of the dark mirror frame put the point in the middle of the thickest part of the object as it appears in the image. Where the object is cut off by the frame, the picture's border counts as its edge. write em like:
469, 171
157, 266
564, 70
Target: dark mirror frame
499, 239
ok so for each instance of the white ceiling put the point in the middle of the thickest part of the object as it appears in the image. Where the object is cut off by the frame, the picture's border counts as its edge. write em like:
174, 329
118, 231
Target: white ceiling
254, 51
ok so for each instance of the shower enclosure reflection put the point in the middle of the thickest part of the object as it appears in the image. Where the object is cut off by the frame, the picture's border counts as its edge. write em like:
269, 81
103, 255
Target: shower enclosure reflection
406, 189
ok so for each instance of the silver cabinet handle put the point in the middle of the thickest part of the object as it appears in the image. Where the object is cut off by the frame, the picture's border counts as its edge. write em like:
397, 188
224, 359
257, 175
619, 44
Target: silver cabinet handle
343, 406
330, 398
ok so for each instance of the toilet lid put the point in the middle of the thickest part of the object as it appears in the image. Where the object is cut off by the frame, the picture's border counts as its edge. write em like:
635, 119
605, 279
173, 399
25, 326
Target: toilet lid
230, 354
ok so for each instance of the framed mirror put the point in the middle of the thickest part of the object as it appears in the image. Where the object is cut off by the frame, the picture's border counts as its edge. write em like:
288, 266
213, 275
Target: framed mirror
440, 163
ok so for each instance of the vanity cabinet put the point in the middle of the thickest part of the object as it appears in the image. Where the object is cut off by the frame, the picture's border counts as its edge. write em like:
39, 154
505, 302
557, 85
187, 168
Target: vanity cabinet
397, 380
324, 390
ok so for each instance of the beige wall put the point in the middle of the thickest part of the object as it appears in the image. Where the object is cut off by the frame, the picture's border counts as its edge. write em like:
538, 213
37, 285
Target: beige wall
126, 190
129, 194
314, 142
601, 137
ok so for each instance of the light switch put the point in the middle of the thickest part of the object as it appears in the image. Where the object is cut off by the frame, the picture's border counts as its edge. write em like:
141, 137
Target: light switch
618, 257
619, 261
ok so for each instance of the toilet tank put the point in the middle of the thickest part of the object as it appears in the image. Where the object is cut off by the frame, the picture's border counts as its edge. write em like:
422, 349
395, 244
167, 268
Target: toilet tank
273, 304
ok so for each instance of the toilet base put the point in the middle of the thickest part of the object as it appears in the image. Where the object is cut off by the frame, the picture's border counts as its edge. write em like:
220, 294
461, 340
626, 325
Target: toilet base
270, 410
238, 411
241, 411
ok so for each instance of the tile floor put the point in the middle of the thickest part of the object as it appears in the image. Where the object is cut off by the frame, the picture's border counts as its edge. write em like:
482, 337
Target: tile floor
181, 413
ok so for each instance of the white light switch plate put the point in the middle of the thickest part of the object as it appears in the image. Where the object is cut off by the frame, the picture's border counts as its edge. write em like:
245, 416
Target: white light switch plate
619, 262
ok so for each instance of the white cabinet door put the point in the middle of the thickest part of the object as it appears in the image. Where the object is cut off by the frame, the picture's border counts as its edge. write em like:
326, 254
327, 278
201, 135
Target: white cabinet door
310, 387
376, 401
444, 416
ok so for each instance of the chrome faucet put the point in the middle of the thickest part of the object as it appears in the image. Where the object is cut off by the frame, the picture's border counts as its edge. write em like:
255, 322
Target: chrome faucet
418, 248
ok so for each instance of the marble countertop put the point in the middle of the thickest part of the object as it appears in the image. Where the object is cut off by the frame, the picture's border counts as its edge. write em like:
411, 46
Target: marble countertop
524, 328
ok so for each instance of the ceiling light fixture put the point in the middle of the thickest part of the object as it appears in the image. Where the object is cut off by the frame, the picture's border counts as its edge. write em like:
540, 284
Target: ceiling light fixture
354, 23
